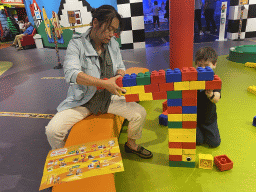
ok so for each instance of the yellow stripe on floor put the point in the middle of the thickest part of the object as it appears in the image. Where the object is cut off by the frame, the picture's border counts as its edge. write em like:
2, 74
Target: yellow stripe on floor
53, 78
4, 66
28, 115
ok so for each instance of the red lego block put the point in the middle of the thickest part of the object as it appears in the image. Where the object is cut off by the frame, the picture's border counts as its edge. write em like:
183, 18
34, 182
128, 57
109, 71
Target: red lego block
132, 97
166, 87
189, 124
151, 88
175, 145
189, 102
158, 77
214, 84
159, 95
188, 74
175, 157
189, 94
119, 82
174, 109
165, 112
189, 145
223, 163
164, 105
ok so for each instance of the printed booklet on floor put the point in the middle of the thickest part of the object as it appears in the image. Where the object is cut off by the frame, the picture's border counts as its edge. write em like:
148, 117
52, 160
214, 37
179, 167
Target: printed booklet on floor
81, 161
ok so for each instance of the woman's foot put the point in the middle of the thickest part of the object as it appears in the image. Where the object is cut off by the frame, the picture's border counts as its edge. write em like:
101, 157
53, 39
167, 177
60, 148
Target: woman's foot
138, 150
13, 45
20, 48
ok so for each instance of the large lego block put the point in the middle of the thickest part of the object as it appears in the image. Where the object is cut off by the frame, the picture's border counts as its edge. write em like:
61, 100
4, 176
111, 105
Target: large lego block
215, 84
173, 75
175, 151
205, 74
189, 101
197, 85
205, 161
174, 124
174, 110
129, 80
163, 120
189, 158
158, 77
119, 82
182, 164
175, 145
189, 145
188, 74
252, 89
175, 157
189, 151
132, 98
174, 102
182, 138
182, 132
166, 87
143, 78
151, 88
189, 124
223, 162
128, 91
184, 85
159, 95
164, 105
189, 117
174, 117
137, 89
174, 94
189, 94
145, 96
189, 109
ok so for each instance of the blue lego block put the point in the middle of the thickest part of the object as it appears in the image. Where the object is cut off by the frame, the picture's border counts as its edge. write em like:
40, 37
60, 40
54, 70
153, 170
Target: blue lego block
129, 80
205, 74
173, 75
189, 109
163, 120
174, 102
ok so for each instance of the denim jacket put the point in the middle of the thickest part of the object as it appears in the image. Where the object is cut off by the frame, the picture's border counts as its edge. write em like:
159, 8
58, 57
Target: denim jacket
82, 57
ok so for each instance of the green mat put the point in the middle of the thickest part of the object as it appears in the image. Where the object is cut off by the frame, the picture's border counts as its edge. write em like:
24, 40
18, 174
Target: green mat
4, 66
235, 110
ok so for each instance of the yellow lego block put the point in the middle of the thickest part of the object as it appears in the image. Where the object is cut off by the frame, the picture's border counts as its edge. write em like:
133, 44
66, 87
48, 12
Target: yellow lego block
205, 161
137, 89
174, 117
175, 151
196, 85
181, 137
250, 64
179, 131
128, 91
189, 158
178, 86
189, 117
145, 96
252, 89
189, 151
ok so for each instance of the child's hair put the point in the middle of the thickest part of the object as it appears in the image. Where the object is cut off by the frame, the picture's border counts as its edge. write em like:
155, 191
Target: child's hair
105, 14
206, 54
155, 3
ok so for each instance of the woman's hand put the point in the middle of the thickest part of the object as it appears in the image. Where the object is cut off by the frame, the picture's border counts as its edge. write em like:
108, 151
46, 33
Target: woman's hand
112, 87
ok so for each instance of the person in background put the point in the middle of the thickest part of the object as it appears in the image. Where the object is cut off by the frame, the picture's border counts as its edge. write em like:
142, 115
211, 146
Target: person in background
166, 15
156, 15
198, 6
22, 26
209, 8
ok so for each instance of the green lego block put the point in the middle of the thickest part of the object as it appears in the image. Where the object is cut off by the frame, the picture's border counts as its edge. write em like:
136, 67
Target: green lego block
174, 94
182, 164
143, 78
174, 124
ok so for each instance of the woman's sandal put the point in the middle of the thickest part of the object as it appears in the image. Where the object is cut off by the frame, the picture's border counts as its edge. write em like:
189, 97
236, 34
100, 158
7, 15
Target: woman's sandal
141, 151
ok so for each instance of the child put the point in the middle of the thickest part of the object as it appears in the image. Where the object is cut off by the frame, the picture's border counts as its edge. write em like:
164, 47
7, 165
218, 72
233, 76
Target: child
156, 15
207, 128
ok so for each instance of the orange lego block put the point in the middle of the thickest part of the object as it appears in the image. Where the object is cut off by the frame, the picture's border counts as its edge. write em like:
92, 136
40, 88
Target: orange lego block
174, 109
132, 98
189, 124
189, 94
151, 88
159, 95
166, 87
175, 157
189, 102
188, 74
119, 82
214, 84
188, 145
164, 105
158, 77
175, 145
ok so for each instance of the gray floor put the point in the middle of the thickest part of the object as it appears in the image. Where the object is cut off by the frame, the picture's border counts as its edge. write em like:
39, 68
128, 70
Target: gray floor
23, 143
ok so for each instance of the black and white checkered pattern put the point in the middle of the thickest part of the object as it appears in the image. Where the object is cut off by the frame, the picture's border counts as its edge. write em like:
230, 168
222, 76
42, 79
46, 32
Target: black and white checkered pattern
133, 36
249, 20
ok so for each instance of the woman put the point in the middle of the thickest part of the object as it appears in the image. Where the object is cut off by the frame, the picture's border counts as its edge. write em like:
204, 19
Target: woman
90, 57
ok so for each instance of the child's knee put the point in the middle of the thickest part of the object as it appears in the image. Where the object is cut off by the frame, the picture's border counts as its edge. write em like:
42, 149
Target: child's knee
214, 144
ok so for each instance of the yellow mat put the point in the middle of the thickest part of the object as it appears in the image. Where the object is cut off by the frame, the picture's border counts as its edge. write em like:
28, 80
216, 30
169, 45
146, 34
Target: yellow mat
4, 66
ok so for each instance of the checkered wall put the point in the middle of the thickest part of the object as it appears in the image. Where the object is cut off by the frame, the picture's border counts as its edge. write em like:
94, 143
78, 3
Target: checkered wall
133, 36
249, 20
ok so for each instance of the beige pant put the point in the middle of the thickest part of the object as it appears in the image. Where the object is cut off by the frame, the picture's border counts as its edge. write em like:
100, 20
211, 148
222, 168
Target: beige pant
17, 39
63, 121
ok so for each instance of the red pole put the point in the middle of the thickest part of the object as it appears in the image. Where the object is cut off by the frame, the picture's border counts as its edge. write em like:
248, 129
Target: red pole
181, 33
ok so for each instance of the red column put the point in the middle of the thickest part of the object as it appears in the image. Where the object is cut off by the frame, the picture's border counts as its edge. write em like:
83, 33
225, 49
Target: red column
181, 33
